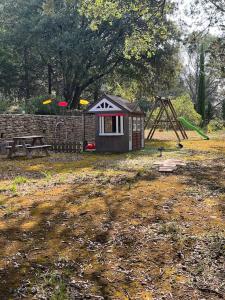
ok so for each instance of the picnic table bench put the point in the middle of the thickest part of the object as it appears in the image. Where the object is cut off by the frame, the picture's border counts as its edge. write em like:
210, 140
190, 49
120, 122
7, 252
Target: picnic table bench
28, 143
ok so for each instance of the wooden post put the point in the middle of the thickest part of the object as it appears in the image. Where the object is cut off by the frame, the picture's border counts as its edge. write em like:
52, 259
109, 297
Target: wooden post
156, 123
151, 113
168, 116
179, 125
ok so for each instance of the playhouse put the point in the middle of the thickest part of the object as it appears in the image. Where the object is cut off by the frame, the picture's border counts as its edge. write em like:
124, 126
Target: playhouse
119, 124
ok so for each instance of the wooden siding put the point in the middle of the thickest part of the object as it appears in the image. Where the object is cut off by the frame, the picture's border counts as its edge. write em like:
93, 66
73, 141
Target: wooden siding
137, 140
113, 143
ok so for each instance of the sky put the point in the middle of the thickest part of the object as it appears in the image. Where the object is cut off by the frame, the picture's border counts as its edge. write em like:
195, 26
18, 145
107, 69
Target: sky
199, 22
193, 23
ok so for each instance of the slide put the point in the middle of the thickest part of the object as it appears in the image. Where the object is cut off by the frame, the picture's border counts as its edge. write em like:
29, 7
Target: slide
188, 125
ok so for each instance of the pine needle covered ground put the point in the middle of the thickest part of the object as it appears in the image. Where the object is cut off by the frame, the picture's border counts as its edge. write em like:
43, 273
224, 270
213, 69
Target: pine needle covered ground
113, 227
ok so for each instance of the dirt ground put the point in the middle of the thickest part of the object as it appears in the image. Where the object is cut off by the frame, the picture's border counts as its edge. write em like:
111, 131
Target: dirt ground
112, 227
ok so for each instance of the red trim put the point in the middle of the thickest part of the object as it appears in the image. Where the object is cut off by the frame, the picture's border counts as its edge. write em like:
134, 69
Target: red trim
112, 115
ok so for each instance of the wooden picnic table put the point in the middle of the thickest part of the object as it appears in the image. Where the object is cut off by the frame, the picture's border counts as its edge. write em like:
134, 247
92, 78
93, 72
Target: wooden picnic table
28, 144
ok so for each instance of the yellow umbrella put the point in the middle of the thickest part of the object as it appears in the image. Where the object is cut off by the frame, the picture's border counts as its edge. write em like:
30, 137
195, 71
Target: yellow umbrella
84, 102
45, 102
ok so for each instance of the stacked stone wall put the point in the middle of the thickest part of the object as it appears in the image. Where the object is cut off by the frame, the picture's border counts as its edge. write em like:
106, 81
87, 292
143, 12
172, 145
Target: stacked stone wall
54, 128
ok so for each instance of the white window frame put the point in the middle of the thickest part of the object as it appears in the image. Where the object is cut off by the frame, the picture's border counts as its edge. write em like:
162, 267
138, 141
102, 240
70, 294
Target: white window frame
138, 126
117, 133
143, 133
130, 134
134, 124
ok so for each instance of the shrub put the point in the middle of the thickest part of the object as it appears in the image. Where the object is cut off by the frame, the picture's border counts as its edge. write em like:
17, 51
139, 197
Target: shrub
10, 105
185, 108
215, 125
4, 106
36, 106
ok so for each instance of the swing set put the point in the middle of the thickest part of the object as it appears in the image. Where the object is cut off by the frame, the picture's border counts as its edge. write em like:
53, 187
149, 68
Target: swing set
164, 107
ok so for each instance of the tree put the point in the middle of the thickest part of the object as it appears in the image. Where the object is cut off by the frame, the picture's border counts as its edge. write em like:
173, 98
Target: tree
147, 77
214, 75
18, 40
8, 71
82, 42
185, 108
223, 110
209, 112
201, 99
211, 13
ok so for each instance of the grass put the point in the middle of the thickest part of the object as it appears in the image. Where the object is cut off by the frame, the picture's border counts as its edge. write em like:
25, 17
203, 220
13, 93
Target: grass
20, 180
112, 227
47, 175
57, 285
13, 188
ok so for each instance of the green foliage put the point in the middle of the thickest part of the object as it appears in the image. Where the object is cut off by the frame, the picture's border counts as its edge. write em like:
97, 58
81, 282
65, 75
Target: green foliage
203, 77
13, 189
35, 106
140, 39
58, 286
9, 105
209, 112
20, 180
145, 105
223, 110
215, 125
47, 175
82, 41
8, 71
4, 105
146, 78
16, 182
185, 108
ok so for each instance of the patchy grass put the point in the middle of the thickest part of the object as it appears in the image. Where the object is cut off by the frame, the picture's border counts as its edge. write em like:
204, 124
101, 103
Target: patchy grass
20, 180
112, 227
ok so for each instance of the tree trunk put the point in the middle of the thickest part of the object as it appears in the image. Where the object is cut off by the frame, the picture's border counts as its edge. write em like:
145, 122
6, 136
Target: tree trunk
26, 76
72, 96
223, 110
201, 87
96, 93
49, 79
76, 98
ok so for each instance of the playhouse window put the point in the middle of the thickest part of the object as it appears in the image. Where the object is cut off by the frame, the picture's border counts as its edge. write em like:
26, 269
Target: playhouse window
111, 125
136, 124
139, 124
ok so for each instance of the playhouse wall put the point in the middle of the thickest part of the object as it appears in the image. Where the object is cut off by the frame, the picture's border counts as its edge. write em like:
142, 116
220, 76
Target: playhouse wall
115, 144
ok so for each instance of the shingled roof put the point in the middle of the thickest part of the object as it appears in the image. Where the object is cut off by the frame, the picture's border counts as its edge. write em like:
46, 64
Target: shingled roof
130, 106
119, 102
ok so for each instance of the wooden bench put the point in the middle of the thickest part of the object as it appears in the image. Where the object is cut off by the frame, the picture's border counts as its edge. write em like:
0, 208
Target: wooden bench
17, 146
38, 147
28, 144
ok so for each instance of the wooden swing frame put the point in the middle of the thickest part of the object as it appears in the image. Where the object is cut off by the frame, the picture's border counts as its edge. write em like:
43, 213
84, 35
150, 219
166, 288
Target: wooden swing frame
165, 105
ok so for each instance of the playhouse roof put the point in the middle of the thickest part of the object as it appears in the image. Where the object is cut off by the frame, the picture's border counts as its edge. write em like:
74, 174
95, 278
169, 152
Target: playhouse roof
122, 103
130, 106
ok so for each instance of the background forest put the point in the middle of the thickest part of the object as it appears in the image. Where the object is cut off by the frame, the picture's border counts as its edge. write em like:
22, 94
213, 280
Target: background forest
66, 49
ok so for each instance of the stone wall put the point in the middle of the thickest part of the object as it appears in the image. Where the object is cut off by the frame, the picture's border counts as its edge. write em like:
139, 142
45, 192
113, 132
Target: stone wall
54, 128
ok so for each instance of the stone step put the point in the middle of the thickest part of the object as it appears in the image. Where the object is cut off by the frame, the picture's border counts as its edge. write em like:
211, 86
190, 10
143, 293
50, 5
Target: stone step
167, 169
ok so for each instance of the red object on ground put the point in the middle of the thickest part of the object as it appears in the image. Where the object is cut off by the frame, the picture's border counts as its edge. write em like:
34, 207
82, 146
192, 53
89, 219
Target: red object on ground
63, 104
91, 146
